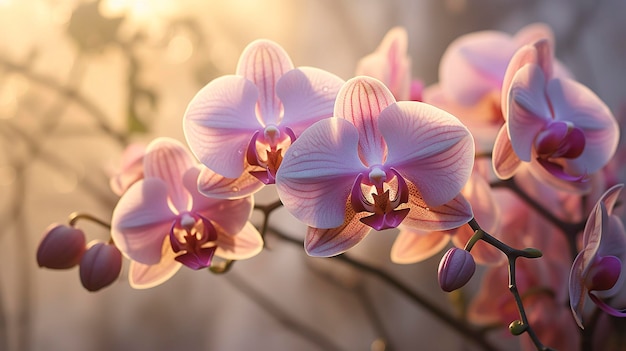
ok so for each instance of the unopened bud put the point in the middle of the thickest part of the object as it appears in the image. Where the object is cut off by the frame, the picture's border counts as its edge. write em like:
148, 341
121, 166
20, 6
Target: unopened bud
100, 266
532, 252
603, 273
456, 268
62, 247
517, 327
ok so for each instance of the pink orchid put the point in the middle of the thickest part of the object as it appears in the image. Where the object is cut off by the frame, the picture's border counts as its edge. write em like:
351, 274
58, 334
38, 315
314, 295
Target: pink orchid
376, 164
162, 221
599, 270
390, 64
471, 74
556, 126
240, 125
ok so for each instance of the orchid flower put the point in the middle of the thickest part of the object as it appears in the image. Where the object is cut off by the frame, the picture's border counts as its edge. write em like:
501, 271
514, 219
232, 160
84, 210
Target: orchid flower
162, 222
376, 164
240, 125
390, 64
556, 126
599, 270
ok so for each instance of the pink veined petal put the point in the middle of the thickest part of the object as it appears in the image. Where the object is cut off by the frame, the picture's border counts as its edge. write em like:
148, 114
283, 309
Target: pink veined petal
577, 290
331, 242
429, 147
474, 64
263, 62
505, 161
230, 215
318, 171
143, 276
528, 109
390, 63
168, 160
141, 220
219, 123
360, 101
453, 214
308, 95
575, 103
211, 184
245, 244
412, 247
610, 197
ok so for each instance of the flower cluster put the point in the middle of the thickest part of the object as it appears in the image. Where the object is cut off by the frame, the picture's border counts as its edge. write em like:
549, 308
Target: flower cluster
507, 138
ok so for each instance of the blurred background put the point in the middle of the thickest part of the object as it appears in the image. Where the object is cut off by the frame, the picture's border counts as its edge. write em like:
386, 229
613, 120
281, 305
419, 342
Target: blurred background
79, 80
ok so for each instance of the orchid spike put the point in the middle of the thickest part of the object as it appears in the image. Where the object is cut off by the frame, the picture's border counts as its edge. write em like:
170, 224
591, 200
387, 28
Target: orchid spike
240, 125
162, 221
599, 270
378, 163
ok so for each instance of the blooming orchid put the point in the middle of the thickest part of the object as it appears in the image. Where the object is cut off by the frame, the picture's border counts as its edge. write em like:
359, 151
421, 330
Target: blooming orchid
240, 125
376, 164
390, 64
556, 126
599, 270
162, 222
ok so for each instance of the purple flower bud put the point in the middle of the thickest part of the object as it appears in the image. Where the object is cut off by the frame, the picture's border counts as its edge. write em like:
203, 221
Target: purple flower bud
455, 269
604, 273
62, 247
100, 266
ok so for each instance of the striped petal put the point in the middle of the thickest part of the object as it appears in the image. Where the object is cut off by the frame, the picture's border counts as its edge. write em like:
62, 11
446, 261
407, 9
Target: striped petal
505, 161
360, 101
331, 242
167, 159
263, 62
211, 184
453, 214
428, 147
219, 123
318, 171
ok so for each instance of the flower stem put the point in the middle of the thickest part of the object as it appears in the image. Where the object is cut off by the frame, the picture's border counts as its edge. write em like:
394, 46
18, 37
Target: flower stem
462, 328
76, 216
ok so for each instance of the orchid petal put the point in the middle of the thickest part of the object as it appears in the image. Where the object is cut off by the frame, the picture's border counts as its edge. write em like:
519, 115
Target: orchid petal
473, 65
429, 147
528, 109
318, 171
245, 244
141, 220
360, 101
523, 56
211, 184
263, 62
450, 215
167, 159
230, 215
331, 242
219, 123
505, 160
575, 103
390, 63
606, 308
532, 33
412, 247
308, 95
143, 276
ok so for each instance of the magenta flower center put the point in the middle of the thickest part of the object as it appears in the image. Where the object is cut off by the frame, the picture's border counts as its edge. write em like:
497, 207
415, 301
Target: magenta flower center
603, 273
559, 140
380, 193
194, 239
266, 151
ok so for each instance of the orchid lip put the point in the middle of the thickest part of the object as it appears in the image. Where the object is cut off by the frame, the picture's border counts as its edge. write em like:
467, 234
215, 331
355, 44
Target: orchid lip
272, 142
384, 208
194, 243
